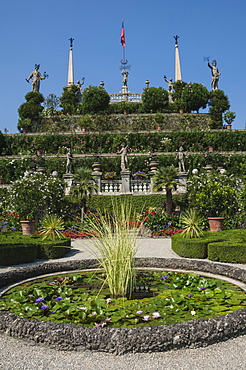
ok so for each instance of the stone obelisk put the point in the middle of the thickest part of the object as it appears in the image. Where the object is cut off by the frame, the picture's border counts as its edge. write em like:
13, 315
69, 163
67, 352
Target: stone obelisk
178, 76
70, 77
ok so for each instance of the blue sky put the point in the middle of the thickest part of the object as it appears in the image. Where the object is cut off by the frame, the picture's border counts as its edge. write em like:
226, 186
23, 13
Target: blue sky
38, 33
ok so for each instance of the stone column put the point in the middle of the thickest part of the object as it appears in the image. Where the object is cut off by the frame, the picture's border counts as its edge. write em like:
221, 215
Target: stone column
178, 76
125, 182
70, 76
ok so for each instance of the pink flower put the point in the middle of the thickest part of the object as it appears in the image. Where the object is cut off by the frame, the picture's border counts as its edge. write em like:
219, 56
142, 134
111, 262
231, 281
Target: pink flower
146, 318
156, 315
139, 312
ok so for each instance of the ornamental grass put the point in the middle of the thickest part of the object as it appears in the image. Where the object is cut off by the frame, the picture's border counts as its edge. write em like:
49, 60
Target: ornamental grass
116, 246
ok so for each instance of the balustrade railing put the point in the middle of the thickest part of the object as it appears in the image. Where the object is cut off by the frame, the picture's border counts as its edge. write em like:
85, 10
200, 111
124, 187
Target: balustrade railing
140, 186
130, 97
112, 186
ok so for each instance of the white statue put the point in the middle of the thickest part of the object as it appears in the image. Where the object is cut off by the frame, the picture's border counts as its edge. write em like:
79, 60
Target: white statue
124, 159
69, 161
181, 159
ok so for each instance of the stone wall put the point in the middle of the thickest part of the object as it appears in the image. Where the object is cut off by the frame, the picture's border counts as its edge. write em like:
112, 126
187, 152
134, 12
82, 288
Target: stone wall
126, 122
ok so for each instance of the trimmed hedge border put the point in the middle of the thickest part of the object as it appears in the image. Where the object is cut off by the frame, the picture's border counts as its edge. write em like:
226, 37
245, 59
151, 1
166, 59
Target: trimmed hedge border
224, 246
190, 334
24, 249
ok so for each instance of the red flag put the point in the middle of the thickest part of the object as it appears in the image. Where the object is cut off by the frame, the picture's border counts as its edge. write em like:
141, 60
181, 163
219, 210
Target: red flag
122, 36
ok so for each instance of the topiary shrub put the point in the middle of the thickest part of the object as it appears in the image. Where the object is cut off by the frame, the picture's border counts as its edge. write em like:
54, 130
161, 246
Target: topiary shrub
190, 248
14, 254
154, 99
53, 249
94, 99
227, 251
16, 248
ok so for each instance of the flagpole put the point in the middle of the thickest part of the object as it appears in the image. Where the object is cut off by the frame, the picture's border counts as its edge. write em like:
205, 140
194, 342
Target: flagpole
123, 43
124, 67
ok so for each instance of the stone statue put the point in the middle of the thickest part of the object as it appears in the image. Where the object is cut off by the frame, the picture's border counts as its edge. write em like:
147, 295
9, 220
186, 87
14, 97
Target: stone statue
170, 84
124, 159
125, 77
69, 161
215, 75
36, 77
80, 84
180, 157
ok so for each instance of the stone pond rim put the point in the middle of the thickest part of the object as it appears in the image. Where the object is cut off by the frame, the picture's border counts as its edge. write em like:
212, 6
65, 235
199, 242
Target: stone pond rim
189, 334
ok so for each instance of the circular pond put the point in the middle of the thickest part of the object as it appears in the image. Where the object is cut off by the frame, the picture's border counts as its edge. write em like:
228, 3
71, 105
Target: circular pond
148, 337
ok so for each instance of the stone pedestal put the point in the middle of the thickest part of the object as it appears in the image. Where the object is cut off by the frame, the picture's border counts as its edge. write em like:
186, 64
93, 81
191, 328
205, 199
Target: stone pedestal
125, 184
97, 176
68, 178
181, 188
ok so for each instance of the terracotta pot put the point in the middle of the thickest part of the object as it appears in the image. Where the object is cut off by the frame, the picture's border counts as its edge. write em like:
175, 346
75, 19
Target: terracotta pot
210, 149
28, 227
228, 127
215, 223
1, 181
159, 128
181, 111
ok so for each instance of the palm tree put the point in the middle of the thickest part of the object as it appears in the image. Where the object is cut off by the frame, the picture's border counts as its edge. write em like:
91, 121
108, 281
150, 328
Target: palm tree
83, 188
166, 177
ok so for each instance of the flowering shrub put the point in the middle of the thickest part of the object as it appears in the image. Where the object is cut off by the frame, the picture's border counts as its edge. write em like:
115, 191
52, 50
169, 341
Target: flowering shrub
214, 194
9, 222
32, 197
140, 175
110, 175
159, 223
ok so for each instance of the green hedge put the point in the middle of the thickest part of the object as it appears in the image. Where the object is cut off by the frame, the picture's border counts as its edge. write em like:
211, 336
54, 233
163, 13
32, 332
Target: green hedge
16, 248
13, 169
53, 250
125, 122
227, 251
110, 142
223, 246
189, 248
139, 203
14, 254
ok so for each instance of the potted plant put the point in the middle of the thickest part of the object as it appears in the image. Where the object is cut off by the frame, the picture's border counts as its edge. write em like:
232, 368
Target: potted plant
215, 196
229, 117
30, 197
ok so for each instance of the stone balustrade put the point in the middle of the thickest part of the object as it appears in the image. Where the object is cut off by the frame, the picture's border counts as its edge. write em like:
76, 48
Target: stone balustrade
130, 97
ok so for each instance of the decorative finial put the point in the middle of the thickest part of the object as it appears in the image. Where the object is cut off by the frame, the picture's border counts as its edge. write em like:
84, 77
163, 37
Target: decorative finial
176, 39
71, 42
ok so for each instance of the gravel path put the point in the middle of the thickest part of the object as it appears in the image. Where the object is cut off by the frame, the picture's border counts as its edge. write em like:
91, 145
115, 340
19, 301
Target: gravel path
21, 355
16, 354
